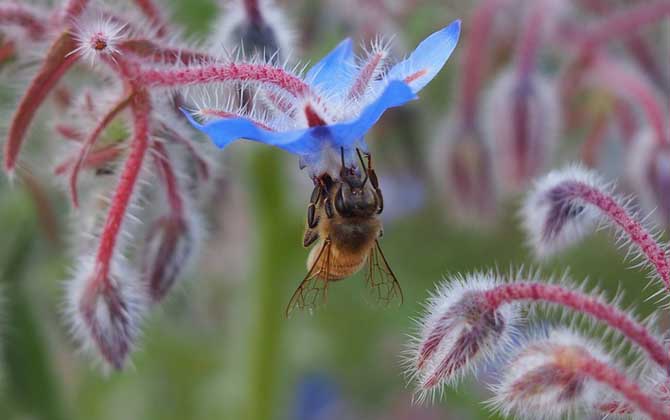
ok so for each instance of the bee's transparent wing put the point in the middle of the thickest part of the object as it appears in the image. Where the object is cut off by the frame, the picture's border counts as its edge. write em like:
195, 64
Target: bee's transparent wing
312, 289
383, 284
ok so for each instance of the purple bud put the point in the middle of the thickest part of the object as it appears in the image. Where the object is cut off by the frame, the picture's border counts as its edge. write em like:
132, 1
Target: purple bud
461, 162
169, 247
544, 379
105, 310
258, 27
458, 331
649, 170
522, 124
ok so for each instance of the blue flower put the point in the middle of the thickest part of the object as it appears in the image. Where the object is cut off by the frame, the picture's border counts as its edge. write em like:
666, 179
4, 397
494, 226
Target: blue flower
346, 97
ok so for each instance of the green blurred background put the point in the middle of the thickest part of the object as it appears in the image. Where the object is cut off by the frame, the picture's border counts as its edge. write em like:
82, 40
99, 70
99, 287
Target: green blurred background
220, 348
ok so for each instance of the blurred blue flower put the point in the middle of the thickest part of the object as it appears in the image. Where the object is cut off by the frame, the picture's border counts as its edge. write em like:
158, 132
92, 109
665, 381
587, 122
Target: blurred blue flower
346, 97
317, 398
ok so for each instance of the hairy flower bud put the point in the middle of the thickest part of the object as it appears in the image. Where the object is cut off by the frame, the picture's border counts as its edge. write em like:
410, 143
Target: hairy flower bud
648, 167
461, 162
544, 380
553, 215
522, 123
458, 330
258, 27
566, 204
105, 310
170, 247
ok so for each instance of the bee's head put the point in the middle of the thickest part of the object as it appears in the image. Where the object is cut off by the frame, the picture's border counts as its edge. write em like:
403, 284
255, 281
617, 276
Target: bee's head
355, 197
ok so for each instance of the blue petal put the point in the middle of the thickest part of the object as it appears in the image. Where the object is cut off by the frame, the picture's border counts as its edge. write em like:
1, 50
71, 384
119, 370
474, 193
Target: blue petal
308, 142
346, 134
429, 57
335, 71
224, 131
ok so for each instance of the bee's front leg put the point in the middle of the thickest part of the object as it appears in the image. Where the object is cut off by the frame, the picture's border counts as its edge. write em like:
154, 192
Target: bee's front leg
310, 237
312, 218
374, 181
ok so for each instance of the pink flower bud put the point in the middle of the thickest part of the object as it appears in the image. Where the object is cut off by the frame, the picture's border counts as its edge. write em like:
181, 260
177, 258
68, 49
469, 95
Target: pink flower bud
458, 330
649, 171
260, 29
170, 247
461, 163
553, 216
105, 310
522, 123
543, 381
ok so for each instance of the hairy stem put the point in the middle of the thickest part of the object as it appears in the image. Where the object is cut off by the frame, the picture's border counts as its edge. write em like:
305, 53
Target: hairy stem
151, 51
609, 314
90, 142
620, 217
617, 381
231, 72
623, 22
473, 66
170, 178
628, 85
15, 14
58, 61
74, 9
152, 12
141, 108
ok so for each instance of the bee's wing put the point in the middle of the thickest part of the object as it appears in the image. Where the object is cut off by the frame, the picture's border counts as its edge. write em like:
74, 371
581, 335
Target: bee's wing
312, 289
379, 277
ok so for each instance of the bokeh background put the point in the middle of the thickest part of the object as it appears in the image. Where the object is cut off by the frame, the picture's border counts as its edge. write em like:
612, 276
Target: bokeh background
220, 347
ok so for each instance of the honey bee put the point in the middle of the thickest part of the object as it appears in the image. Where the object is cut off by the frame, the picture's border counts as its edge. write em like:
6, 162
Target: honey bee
343, 221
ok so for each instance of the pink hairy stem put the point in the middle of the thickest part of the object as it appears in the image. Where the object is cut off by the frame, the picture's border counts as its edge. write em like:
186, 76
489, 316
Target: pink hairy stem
626, 84
637, 233
473, 65
90, 141
151, 51
608, 314
617, 381
152, 12
95, 159
230, 72
74, 9
15, 14
58, 61
141, 108
170, 179
253, 11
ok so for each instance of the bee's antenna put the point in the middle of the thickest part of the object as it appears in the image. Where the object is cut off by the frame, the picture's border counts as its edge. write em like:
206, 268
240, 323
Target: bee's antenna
342, 156
360, 157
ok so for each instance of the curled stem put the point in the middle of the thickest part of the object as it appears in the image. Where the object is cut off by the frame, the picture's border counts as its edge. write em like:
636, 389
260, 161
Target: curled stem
619, 216
626, 84
472, 66
58, 61
90, 142
609, 314
617, 381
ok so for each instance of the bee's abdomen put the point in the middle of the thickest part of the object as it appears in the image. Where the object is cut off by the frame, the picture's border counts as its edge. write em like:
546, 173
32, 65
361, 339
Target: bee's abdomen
345, 265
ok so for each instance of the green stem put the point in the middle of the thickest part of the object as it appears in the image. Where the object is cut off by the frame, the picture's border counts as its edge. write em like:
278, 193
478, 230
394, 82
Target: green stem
29, 374
270, 216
